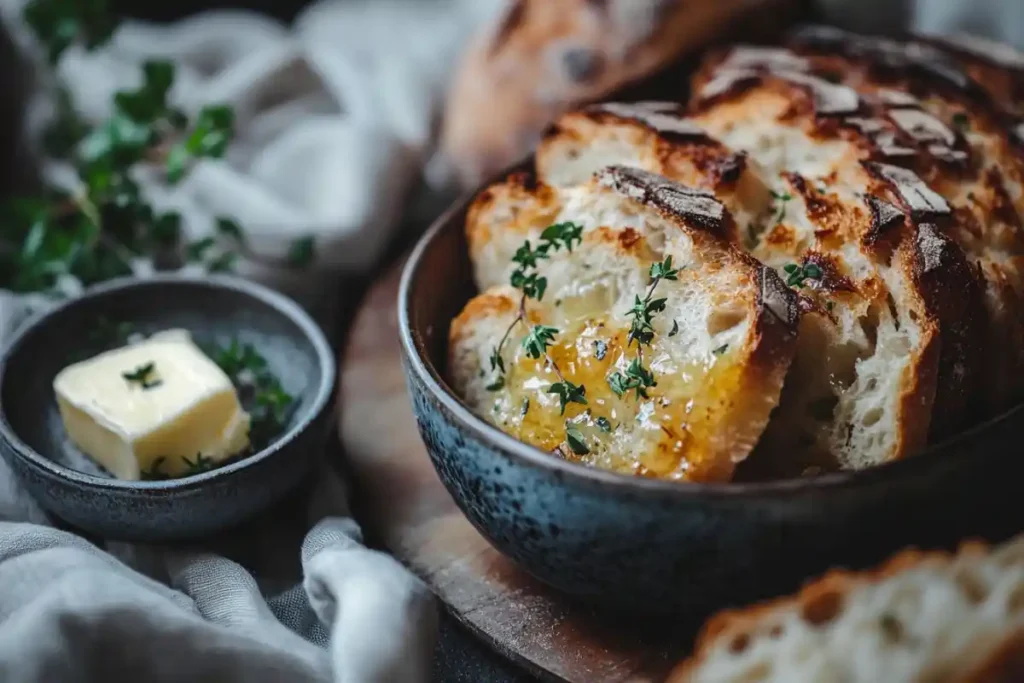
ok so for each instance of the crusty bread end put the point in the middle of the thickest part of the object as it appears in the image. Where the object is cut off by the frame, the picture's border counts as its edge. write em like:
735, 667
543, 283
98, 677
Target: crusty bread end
922, 616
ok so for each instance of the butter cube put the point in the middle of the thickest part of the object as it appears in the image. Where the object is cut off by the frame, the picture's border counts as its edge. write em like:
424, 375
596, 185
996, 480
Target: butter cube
161, 398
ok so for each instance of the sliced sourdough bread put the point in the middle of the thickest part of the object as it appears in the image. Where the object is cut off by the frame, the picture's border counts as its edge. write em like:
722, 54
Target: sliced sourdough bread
970, 150
880, 180
721, 345
920, 617
891, 347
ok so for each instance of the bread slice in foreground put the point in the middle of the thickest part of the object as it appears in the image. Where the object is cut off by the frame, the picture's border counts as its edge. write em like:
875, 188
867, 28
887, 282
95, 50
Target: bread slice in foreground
921, 617
720, 349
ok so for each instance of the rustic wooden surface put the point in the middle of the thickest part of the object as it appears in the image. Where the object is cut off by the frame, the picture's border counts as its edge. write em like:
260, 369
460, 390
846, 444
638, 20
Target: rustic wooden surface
404, 507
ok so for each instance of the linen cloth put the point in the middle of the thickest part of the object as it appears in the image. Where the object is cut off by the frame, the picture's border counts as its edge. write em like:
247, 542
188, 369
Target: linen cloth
336, 119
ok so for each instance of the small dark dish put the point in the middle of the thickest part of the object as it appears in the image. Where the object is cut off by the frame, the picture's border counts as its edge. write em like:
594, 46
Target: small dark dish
214, 310
656, 546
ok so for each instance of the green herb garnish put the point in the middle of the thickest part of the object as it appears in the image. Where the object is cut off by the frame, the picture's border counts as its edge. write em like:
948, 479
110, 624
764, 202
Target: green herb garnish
268, 404
720, 350
59, 24
575, 440
637, 377
961, 121
200, 464
568, 392
96, 230
780, 199
798, 274
533, 285
675, 328
143, 376
155, 471
538, 339
604, 425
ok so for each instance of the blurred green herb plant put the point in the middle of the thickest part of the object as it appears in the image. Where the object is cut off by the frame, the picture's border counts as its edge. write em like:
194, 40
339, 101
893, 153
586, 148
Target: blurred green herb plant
95, 231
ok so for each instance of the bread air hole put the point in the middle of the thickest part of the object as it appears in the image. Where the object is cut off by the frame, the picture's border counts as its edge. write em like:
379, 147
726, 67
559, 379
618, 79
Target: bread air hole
723, 320
972, 587
739, 643
894, 312
822, 608
872, 417
869, 325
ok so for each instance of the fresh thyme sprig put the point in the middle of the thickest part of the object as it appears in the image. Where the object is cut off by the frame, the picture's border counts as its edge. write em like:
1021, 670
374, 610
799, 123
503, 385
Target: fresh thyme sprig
143, 376
637, 377
533, 285
780, 199
201, 463
97, 230
269, 405
798, 274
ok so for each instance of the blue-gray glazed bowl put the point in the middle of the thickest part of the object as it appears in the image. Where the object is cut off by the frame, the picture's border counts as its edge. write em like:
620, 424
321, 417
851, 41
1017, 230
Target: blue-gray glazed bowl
644, 545
213, 309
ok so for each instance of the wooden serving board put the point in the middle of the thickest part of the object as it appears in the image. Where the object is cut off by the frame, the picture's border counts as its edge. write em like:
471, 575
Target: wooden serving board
404, 507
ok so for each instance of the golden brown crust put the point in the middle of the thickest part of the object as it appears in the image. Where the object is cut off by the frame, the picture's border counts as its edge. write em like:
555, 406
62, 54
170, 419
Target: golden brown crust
1004, 665
916, 147
819, 601
957, 90
518, 201
546, 57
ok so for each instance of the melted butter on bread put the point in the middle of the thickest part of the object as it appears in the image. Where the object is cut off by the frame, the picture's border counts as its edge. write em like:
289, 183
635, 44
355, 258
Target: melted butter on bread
718, 354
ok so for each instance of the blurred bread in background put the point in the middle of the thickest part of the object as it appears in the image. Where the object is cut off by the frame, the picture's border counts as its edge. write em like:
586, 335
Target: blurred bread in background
922, 616
543, 57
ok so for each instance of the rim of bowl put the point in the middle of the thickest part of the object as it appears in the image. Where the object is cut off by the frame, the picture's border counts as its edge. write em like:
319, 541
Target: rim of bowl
279, 302
423, 367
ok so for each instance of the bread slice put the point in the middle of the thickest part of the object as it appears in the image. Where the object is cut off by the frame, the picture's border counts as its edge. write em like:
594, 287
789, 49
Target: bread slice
920, 617
997, 67
862, 385
654, 136
970, 153
721, 345
891, 350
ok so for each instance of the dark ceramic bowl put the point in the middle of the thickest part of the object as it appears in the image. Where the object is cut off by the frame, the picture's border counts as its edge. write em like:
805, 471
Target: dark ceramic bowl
213, 309
656, 546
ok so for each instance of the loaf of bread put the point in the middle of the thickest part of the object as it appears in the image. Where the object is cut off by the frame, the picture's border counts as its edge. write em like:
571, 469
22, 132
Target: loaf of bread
920, 617
544, 57
881, 180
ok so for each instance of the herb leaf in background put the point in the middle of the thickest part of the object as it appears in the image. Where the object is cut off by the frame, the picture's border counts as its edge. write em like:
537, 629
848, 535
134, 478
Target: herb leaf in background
59, 24
97, 230
209, 137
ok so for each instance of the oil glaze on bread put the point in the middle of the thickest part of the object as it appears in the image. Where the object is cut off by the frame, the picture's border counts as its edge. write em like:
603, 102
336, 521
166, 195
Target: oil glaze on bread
721, 347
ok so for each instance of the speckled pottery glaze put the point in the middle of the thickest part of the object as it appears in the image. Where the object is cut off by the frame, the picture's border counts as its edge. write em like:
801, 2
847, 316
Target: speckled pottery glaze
213, 309
644, 545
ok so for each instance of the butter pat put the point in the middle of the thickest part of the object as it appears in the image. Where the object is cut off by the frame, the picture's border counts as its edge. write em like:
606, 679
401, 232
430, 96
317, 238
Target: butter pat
160, 398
